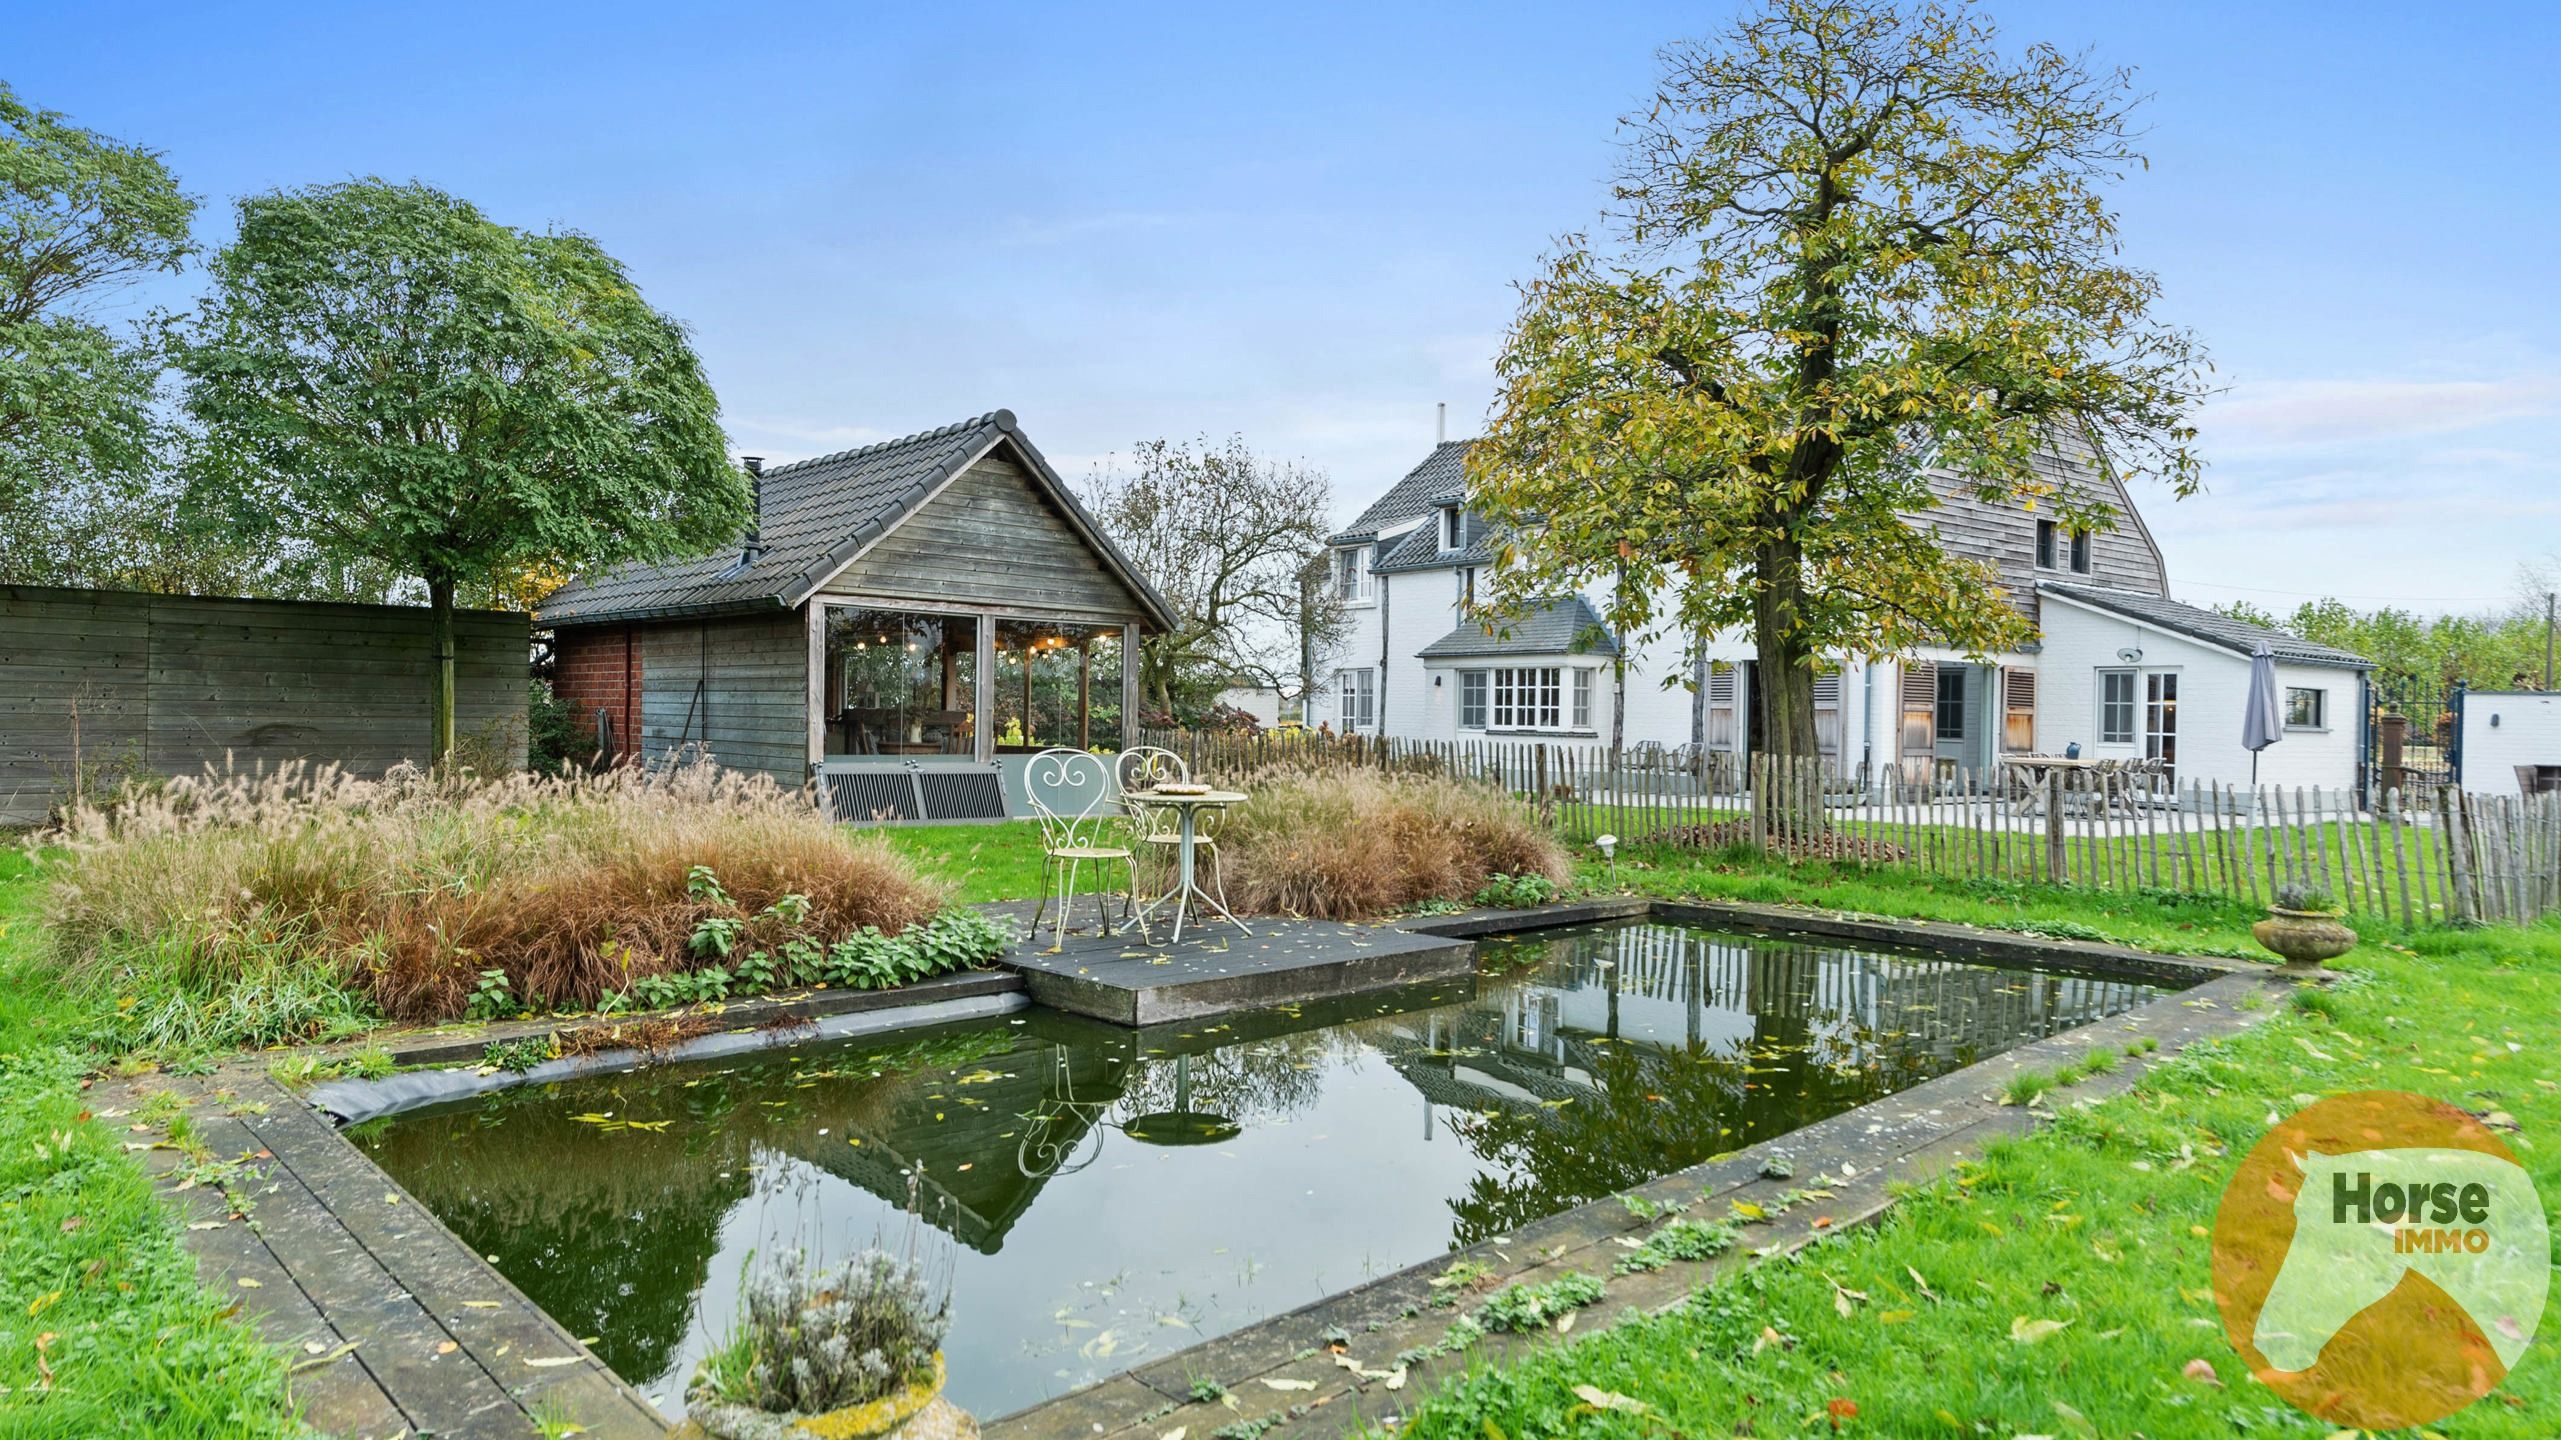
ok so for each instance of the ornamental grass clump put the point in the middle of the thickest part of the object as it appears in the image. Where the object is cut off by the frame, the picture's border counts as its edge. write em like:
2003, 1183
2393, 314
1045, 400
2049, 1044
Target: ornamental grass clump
233, 909
809, 1340
1356, 844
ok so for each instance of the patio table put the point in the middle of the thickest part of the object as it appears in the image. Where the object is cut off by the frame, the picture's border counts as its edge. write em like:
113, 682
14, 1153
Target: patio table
2033, 770
1187, 808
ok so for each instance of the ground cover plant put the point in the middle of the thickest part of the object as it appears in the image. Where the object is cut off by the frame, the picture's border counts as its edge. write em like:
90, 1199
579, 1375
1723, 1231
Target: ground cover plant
1356, 844
105, 1331
304, 904
814, 1340
2060, 1286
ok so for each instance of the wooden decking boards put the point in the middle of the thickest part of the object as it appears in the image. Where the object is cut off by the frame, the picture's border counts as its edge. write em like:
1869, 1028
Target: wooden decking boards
393, 1326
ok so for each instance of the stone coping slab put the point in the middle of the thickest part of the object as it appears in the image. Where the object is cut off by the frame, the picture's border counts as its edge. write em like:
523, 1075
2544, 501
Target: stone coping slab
399, 1328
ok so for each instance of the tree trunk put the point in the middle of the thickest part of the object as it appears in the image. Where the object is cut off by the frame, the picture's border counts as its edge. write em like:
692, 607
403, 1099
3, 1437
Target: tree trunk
1784, 690
440, 609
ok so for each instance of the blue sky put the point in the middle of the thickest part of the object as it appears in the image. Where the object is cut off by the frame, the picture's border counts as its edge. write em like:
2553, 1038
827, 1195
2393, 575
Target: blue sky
1303, 223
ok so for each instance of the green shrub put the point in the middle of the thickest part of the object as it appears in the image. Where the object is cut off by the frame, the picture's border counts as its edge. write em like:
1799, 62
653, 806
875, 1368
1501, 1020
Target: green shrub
1518, 892
809, 1341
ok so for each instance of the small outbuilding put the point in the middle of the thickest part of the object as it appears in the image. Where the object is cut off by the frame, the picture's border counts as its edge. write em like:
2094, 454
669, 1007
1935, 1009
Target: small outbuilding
904, 623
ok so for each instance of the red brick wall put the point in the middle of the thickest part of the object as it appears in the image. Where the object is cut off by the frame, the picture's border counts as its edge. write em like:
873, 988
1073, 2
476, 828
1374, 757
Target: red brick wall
599, 669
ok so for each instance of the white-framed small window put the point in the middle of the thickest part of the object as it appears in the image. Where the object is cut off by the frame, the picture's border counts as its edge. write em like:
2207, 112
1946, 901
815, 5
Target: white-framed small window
1358, 690
2080, 552
1472, 686
1351, 573
2116, 707
2047, 548
2306, 708
1582, 699
1452, 528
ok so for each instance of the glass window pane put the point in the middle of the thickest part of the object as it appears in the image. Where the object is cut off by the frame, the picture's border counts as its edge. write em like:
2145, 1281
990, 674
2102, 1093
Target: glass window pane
899, 683
1057, 684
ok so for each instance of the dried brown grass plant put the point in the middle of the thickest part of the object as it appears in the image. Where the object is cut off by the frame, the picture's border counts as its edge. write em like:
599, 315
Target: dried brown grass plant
1344, 844
403, 889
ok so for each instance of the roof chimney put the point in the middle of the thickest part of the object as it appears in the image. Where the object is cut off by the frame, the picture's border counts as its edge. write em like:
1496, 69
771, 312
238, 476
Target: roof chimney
756, 508
1440, 423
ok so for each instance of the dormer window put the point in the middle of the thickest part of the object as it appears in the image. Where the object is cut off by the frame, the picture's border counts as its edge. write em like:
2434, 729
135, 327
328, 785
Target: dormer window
1351, 573
1451, 528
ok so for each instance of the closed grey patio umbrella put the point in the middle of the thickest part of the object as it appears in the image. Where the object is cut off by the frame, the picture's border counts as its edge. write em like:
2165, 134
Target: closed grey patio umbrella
2262, 722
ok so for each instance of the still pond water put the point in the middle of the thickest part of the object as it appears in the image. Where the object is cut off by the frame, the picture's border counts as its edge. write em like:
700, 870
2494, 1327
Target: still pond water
1112, 1197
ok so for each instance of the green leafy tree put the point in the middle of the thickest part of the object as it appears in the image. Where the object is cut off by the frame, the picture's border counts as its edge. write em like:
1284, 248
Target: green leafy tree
389, 376
1853, 240
82, 216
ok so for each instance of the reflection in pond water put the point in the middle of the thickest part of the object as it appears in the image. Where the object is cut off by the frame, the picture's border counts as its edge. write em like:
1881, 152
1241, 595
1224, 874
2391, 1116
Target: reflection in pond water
1116, 1196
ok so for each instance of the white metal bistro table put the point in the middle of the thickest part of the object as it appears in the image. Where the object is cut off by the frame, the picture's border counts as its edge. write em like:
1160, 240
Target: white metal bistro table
1187, 808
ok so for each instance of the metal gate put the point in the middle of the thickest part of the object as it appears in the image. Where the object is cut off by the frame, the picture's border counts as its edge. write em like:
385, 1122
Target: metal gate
2413, 735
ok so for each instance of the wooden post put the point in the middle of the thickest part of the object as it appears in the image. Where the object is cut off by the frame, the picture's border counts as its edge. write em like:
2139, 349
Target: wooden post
2053, 827
1128, 684
982, 695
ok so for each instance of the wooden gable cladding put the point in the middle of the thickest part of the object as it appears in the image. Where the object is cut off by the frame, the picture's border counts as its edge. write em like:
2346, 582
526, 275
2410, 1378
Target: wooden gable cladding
992, 537
2002, 534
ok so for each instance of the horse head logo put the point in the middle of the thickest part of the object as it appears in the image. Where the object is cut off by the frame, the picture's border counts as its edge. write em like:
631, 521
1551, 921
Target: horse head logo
2467, 1221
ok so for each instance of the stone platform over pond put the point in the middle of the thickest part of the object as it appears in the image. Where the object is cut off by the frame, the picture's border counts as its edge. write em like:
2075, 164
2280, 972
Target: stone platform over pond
1218, 970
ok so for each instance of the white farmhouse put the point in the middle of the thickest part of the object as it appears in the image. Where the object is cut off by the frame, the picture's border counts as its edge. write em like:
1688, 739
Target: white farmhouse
2119, 669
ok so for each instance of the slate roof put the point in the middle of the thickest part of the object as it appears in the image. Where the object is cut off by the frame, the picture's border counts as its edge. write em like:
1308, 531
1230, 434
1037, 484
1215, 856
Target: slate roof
1565, 626
817, 515
1420, 549
1443, 473
2239, 636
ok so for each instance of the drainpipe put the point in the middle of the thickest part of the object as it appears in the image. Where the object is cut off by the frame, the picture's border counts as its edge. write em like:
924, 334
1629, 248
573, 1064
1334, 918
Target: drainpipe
1380, 717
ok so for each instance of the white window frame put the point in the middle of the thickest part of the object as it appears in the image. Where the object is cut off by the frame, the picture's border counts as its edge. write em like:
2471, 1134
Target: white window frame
1536, 698
2320, 707
2079, 554
2049, 545
2131, 733
1353, 584
1481, 682
1357, 705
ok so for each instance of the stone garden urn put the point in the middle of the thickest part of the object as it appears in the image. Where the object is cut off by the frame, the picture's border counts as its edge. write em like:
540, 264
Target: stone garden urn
916, 1412
2304, 938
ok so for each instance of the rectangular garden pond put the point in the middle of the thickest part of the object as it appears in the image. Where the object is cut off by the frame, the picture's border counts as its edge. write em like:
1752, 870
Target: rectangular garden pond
1103, 1197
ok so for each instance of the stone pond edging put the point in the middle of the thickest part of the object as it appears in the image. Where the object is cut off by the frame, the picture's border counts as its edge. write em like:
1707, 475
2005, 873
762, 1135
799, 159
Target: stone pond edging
395, 1325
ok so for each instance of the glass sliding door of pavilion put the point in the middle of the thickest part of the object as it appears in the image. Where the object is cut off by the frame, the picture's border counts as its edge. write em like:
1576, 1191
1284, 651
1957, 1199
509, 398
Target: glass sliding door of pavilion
1057, 683
898, 684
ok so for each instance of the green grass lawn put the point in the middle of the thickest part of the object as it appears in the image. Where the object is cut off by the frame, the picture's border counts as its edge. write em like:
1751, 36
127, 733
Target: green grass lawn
103, 1329
2154, 919
995, 861
2098, 1223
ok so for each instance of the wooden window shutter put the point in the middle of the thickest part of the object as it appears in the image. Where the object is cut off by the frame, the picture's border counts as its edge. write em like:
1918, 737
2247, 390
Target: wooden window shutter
1920, 691
2018, 721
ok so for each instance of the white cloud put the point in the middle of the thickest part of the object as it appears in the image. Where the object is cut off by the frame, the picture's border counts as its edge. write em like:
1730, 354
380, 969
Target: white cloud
2269, 416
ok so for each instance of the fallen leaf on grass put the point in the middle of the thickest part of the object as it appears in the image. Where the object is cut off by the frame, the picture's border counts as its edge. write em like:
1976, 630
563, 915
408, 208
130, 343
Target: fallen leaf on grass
2035, 1332
2202, 1371
1600, 1399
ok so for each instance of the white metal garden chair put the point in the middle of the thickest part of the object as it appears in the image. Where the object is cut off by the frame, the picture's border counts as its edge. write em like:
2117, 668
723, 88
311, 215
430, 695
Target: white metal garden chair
1158, 828
1076, 797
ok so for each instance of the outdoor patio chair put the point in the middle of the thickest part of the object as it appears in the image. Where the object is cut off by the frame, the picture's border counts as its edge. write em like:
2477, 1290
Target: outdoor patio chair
1076, 797
1157, 829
